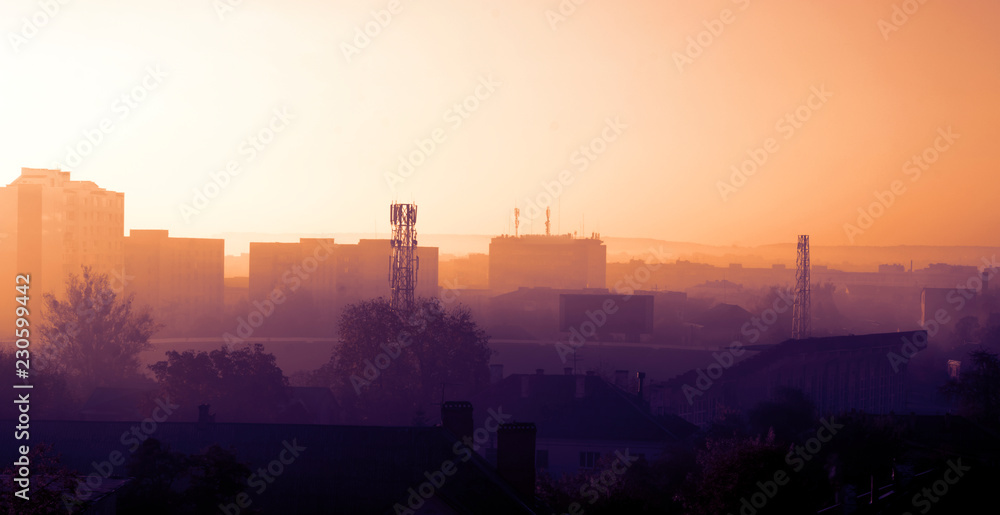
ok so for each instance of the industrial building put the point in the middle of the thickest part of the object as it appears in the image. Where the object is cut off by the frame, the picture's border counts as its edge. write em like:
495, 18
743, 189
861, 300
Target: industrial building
838, 373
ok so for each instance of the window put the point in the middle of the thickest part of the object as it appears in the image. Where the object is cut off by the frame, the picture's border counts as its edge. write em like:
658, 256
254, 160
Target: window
588, 460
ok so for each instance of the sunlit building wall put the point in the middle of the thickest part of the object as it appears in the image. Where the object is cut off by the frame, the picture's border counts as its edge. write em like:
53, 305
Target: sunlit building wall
179, 278
562, 262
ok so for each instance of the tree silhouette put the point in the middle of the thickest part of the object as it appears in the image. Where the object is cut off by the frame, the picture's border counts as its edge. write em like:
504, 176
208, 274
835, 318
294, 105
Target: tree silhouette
50, 481
388, 366
242, 385
166, 482
788, 415
978, 387
94, 335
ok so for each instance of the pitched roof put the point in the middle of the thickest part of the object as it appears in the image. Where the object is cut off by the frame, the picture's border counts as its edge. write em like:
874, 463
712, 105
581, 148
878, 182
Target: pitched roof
788, 348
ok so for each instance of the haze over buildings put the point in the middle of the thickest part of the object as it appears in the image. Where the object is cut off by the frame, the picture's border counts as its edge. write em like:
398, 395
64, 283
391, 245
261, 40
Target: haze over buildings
702, 257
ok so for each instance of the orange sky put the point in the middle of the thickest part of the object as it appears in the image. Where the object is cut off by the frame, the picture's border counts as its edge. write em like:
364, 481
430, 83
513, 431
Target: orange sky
546, 86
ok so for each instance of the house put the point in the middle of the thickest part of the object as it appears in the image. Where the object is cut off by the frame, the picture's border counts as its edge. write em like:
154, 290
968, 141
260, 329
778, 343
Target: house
313, 468
580, 419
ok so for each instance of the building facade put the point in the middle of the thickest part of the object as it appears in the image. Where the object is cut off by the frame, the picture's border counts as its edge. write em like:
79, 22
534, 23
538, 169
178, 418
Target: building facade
560, 261
52, 226
321, 272
181, 279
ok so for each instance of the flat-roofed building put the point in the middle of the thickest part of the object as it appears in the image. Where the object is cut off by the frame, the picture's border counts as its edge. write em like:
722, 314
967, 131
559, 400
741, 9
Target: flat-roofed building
181, 279
320, 272
552, 261
51, 227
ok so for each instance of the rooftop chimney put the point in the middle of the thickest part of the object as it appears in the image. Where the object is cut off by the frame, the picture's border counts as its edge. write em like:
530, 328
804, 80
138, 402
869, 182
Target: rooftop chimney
621, 379
540, 371
580, 388
456, 416
516, 456
641, 376
496, 374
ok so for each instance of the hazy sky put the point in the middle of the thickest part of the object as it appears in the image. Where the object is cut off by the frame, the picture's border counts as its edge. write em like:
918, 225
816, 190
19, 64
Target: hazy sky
670, 117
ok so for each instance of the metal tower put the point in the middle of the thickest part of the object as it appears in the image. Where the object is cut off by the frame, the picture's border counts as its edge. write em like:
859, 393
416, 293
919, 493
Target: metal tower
800, 311
403, 262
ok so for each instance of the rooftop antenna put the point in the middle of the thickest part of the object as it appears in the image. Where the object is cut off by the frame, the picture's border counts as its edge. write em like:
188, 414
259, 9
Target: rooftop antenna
548, 224
403, 260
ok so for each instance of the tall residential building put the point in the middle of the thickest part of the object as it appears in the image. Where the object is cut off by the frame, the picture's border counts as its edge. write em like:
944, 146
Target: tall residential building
324, 273
181, 279
51, 226
557, 261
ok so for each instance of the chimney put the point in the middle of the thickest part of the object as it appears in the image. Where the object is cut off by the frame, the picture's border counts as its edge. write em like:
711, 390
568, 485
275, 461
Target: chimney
525, 388
516, 456
568, 371
456, 416
540, 371
641, 376
203, 416
580, 388
621, 379
496, 374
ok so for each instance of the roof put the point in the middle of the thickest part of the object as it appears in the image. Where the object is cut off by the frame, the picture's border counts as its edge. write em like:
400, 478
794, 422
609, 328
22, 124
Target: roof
114, 403
342, 469
788, 348
605, 412
723, 315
